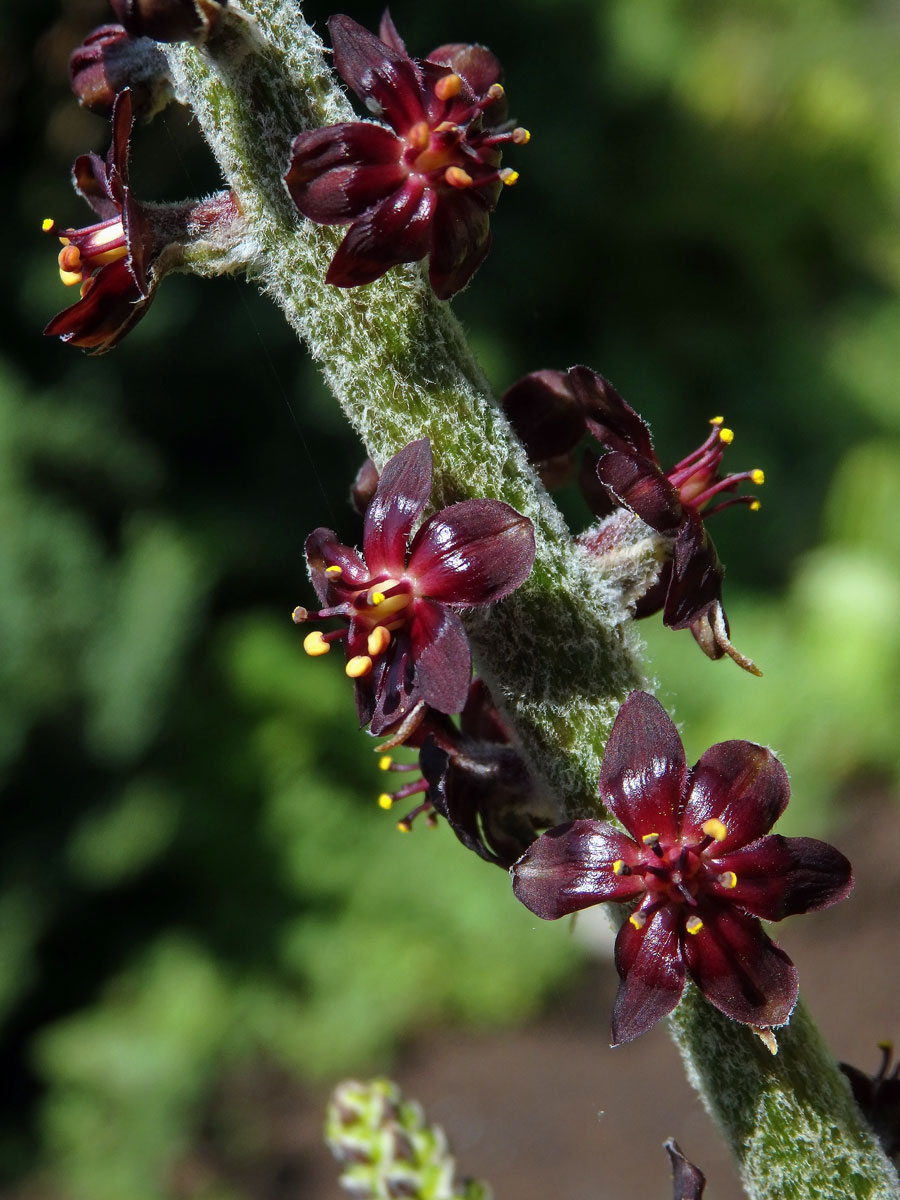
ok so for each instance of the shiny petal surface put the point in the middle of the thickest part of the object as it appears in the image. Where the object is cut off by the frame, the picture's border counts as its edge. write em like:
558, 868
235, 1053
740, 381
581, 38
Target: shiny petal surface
641, 486
740, 784
383, 77
395, 684
779, 876
652, 972
475, 552
571, 867
339, 172
442, 656
695, 582
643, 774
395, 231
739, 970
324, 550
402, 493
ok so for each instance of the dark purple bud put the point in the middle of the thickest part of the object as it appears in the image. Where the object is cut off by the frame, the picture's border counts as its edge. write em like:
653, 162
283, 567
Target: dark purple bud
688, 1181
170, 20
362, 491
108, 61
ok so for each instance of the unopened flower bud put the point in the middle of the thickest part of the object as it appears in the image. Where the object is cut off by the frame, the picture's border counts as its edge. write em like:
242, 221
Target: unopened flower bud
108, 61
170, 20
363, 488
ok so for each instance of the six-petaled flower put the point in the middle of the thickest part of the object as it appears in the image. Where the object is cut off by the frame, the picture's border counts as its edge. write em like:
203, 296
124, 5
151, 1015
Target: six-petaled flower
473, 776
699, 864
405, 643
426, 185
551, 410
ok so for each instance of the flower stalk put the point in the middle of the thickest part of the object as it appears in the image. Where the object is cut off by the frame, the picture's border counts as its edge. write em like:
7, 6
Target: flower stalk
556, 654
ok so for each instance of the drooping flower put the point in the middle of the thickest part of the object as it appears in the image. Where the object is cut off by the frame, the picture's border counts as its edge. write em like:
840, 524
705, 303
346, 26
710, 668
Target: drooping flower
552, 410
474, 777
701, 866
425, 182
119, 261
405, 642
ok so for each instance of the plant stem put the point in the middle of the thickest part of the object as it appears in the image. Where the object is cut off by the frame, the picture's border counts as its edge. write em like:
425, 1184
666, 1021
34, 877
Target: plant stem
556, 655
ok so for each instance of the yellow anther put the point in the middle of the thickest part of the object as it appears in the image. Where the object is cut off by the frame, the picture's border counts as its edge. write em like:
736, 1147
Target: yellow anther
693, 924
638, 919
404, 826
378, 641
619, 866
717, 420
509, 177
447, 87
333, 570
754, 505
495, 91
377, 598
521, 136
728, 879
758, 477
715, 829
650, 839
726, 436
419, 136
390, 605
48, 224
385, 801
457, 177
315, 645
299, 615
358, 666
70, 278
385, 762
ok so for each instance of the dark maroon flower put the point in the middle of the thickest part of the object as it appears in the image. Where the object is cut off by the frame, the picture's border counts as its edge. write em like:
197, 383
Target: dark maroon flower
406, 643
170, 20
688, 1181
427, 184
473, 776
108, 61
119, 261
697, 859
878, 1096
552, 410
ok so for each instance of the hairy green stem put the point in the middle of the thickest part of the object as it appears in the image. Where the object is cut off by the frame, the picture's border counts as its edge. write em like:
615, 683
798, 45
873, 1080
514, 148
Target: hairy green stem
556, 654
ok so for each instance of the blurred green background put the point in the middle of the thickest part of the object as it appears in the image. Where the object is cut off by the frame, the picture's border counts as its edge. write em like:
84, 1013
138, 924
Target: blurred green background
194, 877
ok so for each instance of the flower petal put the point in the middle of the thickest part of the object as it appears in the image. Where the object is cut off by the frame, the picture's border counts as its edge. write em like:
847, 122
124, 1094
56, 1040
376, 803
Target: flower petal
387, 32
740, 784
571, 867
383, 77
640, 485
394, 681
476, 64
643, 773
402, 493
475, 552
738, 969
612, 422
395, 231
442, 657
696, 576
546, 416
338, 172
649, 963
111, 305
323, 550
460, 238
778, 876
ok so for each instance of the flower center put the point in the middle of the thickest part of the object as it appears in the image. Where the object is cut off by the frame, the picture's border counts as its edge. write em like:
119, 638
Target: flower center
84, 251
697, 476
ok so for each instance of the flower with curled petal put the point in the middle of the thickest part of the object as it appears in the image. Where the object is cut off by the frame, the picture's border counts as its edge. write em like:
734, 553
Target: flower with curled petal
118, 262
551, 410
700, 865
425, 182
405, 641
